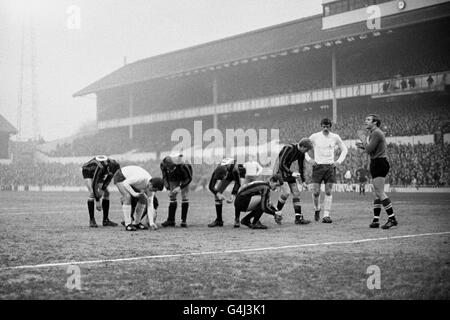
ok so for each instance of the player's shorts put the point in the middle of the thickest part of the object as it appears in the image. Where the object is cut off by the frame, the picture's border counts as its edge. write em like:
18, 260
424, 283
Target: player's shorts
379, 168
324, 172
118, 177
241, 203
222, 185
88, 173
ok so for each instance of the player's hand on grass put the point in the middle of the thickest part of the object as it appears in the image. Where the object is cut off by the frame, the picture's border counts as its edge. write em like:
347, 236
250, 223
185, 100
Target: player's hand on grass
359, 145
153, 226
278, 217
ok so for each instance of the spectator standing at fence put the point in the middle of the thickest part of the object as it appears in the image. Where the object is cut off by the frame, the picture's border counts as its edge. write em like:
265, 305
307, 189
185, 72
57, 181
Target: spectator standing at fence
430, 81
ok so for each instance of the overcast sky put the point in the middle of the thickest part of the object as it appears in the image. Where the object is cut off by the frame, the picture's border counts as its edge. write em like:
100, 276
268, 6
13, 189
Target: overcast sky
70, 59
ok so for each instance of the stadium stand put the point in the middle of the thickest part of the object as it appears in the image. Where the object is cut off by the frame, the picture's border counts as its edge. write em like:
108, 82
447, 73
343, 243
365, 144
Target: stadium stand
406, 61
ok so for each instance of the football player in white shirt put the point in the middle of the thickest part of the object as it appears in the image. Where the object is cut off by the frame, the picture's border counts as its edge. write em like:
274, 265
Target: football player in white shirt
136, 182
324, 166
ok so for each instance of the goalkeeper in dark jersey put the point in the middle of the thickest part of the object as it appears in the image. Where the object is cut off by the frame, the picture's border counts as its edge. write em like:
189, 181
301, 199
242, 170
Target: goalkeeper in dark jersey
287, 156
255, 197
227, 171
97, 174
375, 146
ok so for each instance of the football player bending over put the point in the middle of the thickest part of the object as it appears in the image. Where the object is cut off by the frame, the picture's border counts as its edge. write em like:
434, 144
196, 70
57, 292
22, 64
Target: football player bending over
135, 184
97, 174
255, 197
225, 173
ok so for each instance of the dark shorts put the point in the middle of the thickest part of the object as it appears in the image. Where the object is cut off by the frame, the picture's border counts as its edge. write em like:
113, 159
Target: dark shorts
324, 172
379, 168
241, 203
118, 177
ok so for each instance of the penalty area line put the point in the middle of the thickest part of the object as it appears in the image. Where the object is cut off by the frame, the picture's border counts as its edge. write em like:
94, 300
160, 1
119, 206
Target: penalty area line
178, 255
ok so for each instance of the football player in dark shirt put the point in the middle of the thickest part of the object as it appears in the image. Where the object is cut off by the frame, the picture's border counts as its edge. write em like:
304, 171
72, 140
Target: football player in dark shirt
225, 173
97, 174
375, 147
177, 175
255, 197
287, 156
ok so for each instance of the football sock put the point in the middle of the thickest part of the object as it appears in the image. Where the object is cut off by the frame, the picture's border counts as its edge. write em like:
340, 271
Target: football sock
327, 205
184, 210
138, 213
219, 210
297, 207
172, 210
376, 210
316, 202
237, 214
91, 208
126, 209
105, 207
387, 204
281, 202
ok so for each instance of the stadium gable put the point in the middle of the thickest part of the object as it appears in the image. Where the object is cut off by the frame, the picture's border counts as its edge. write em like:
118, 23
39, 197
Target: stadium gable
6, 126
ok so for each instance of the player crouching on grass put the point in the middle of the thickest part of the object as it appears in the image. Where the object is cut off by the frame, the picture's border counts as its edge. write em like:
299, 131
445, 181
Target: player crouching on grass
135, 182
225, 173
288, 155
97, 174
255, 197
375, 146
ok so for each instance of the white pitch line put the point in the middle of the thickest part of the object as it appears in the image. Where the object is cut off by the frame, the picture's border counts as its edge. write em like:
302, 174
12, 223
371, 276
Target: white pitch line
177, 255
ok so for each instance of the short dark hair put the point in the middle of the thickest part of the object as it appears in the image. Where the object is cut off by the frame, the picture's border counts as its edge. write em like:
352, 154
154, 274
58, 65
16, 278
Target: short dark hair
375, 118
326, 121
276, 178
306, 143
157, 183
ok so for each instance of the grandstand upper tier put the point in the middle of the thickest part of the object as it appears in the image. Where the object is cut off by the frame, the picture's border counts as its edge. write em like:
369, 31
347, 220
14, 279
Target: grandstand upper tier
295, 67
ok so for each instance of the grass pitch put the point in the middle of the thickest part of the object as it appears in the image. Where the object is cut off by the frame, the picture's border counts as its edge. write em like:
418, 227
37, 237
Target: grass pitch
315, 261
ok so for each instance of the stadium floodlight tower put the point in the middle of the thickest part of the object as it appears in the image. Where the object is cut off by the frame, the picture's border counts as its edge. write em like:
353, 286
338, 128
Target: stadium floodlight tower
27, 106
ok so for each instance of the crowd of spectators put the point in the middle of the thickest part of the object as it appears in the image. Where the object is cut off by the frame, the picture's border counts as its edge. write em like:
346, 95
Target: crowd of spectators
407, 117
418, 165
